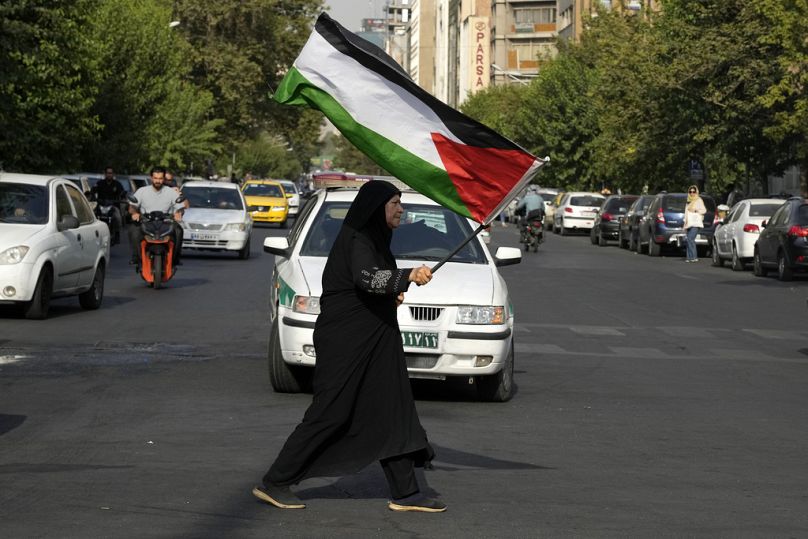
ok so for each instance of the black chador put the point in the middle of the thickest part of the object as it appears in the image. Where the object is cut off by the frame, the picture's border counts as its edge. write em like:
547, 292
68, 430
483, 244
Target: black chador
363, 409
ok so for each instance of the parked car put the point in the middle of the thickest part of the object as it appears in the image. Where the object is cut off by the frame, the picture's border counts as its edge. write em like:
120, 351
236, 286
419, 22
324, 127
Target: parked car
607, 221
783, 242
663, 222
216, 219
51, 244
461, 325
735, 236
576, 211
292, 195
550, 209
266, 201
628, 234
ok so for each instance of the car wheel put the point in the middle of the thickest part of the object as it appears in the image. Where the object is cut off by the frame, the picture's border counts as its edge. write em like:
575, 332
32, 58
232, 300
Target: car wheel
717, 260
284, 378
561, 230
654, 249
244, 253
37, 308
737, 263
784, 271
757, 265
602, 242
91, 299
497, 387
593, 236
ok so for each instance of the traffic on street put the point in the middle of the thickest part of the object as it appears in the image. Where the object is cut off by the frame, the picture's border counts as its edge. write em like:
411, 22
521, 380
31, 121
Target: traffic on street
649, 399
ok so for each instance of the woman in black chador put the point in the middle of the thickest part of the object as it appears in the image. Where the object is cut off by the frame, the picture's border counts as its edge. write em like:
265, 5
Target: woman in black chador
363, 409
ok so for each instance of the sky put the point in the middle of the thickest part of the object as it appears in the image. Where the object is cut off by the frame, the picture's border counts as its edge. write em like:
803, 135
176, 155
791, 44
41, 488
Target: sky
349, 13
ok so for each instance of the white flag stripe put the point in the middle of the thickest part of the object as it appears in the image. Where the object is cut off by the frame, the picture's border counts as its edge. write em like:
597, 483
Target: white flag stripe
372, 100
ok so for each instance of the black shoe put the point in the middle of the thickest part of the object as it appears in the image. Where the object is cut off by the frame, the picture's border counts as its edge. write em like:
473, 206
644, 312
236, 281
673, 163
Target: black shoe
420, 504
281, 497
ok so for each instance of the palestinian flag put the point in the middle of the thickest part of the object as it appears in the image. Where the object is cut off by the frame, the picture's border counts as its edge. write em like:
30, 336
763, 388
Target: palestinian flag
454, 160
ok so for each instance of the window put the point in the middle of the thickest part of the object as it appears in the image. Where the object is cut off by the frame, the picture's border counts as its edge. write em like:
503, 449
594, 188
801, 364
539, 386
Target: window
586, 201
543, 15
263, 190
22, 203
426, 233
213, 197
83, 210
763, 210
63, 208
736, 212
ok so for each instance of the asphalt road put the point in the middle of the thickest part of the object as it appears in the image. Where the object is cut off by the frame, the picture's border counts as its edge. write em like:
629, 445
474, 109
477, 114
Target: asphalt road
655, 399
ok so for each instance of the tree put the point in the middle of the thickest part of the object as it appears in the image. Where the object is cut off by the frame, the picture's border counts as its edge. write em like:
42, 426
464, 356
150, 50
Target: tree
48, 83
350, 159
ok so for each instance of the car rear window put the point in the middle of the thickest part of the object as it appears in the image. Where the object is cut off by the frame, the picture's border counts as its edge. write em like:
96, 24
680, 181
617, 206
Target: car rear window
547, 197
618, 205
213, 197
588, 201
262, 190
763, 210
802, 215
22, 203
426, 232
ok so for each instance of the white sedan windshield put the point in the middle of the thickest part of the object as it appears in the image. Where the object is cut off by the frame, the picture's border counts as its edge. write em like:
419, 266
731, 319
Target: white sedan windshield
21, 203
426, 233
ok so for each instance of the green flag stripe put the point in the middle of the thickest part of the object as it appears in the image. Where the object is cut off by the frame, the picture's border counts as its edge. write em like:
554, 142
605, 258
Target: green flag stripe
422, 176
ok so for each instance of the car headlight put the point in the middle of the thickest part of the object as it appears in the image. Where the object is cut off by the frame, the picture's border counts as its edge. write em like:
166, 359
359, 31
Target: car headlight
241, 227
474, 314
13, 255
278, 208
306, 304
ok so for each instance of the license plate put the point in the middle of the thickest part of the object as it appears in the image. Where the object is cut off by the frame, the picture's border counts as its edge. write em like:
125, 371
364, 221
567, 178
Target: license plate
419, 339
204, 237
588, 214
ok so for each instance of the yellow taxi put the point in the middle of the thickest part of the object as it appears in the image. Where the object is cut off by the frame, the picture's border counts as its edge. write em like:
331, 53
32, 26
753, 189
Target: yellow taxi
266, 201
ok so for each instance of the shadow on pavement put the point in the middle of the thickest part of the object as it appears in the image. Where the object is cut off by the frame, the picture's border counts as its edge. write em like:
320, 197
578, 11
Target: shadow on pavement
9, 422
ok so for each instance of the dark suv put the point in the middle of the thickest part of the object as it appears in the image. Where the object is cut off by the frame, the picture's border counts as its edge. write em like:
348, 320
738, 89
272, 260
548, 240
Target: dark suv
629, 233
783, 243
609, 217
663, 223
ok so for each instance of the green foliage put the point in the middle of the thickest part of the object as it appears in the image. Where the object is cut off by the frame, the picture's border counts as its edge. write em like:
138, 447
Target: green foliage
48, 83
267, 156
719, 81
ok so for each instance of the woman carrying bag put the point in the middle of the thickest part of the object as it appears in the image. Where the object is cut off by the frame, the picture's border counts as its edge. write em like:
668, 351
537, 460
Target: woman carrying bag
694, 221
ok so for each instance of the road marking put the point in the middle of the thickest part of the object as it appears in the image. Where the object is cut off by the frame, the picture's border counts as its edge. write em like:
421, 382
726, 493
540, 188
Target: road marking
8, 360
777, 334
597, 330
625, 351
684, 331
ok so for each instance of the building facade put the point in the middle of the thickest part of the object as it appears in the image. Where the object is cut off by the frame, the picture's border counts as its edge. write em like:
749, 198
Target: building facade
523, 35
421, 43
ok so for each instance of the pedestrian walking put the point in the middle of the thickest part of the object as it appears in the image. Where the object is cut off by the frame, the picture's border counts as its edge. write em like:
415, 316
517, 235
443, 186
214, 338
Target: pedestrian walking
362, 408
694, 221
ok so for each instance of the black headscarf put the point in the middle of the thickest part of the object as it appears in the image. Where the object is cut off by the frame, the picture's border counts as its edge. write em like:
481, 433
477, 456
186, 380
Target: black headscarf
367, 215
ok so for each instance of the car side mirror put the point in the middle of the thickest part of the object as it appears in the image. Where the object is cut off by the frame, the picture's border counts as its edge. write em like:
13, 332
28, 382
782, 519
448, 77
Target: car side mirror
280, 247
506, 256
68, 222
764, 223
180, 199
132, 200
90, 195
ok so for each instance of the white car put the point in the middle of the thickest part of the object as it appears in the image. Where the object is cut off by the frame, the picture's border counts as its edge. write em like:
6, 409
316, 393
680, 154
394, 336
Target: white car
292, 196
576, 211
735, 236
460, 325
51, 244
217, 218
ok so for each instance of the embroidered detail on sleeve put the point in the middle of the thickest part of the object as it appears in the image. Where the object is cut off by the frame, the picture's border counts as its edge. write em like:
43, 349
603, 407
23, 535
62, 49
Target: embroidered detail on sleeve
399, 273
380, 279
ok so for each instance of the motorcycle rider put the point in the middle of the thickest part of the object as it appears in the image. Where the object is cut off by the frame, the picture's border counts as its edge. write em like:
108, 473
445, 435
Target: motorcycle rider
531, 207
155, 197
109, 190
